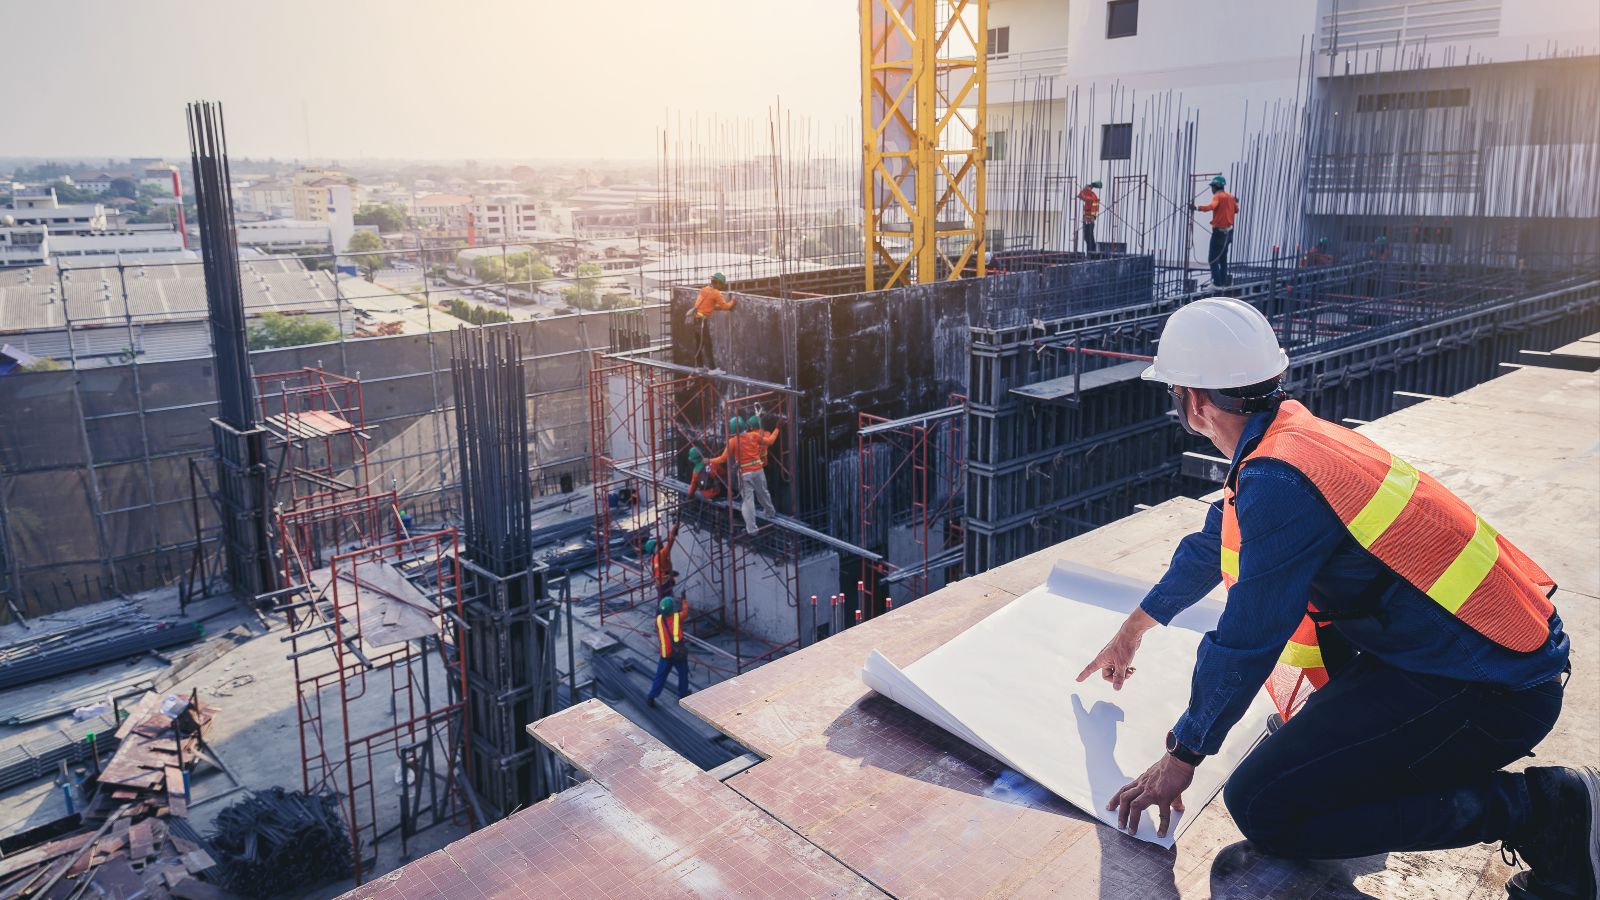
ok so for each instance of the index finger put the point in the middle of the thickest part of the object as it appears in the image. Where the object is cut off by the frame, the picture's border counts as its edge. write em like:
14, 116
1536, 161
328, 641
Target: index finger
1094, 664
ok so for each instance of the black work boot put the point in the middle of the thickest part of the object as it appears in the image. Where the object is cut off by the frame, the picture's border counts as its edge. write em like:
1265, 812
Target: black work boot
1562, 843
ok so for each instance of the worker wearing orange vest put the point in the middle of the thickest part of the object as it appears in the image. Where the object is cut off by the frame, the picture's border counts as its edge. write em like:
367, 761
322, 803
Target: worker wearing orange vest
748, 445
660, 556
674, 653
708, 302
1091, 211
709, 478
1224, 207
1425, 640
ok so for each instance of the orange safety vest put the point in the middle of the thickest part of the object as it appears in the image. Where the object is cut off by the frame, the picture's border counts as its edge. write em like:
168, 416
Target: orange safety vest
1416, 527
1091, 205
669, 632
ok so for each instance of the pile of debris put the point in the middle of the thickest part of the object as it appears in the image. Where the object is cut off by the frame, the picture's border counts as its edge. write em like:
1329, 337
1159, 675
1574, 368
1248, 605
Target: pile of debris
131, 838
279, 843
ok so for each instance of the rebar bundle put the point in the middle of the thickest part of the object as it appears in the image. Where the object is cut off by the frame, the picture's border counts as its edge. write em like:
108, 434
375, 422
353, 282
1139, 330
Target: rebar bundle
219, 248
510, 652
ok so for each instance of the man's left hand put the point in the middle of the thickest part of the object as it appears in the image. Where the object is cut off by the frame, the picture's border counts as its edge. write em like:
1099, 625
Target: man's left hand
1160, 786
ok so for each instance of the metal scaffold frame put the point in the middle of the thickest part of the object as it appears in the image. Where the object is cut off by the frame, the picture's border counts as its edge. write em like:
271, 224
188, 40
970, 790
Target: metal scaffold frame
645, 414
351, 719
921, 460
922, 63
318, 419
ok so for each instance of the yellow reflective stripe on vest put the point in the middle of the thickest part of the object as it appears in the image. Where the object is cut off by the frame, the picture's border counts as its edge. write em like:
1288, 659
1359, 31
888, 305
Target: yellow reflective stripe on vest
1468, 569
1385, 506
1301, 656
1230, 563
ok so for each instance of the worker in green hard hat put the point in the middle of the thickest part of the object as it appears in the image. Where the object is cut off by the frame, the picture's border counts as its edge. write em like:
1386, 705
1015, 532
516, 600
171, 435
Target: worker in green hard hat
747, 446
1091, 211
710, 300
709, 479
660, 556
1318, 255
674, 653
1224, 208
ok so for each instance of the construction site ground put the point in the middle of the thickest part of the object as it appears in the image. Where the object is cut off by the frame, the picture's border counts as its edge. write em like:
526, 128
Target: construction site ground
256, 735
855, 796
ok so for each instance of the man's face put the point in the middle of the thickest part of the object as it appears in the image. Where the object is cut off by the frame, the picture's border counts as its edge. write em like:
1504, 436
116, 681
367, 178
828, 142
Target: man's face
1188, 413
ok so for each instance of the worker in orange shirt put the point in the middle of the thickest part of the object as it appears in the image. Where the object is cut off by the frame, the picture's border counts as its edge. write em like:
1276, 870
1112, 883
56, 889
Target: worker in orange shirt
661, 570
710, 300
1223, 208
709, 479
1317, 256
1091, 211
674, 653
748, 447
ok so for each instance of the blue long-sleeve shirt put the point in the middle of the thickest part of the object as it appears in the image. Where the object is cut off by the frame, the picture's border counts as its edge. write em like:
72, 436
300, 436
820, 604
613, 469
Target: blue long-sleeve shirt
1291, 544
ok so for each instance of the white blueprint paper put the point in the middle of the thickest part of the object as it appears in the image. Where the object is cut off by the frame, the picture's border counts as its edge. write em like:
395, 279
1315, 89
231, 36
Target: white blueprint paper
1006, 686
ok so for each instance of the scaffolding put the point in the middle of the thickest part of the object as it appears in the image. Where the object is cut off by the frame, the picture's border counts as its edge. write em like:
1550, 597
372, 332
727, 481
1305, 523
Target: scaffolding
376, 623
912, 474
646, 414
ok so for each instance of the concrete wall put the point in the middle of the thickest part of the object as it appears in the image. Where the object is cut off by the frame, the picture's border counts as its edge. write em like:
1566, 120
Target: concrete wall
96, 462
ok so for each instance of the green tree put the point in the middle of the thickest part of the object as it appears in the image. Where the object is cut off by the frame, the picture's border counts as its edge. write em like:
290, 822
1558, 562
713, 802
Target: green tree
386, 217
71, 193
124, 187
488, 269
362, 245
582, 293
476, 315
278, 330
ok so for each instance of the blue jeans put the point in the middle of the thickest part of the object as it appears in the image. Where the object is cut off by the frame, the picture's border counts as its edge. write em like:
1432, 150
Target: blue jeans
1218, 256
679, 662
1383, 760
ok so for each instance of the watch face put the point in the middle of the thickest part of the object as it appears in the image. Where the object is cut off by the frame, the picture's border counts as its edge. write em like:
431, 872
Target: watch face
1172, 742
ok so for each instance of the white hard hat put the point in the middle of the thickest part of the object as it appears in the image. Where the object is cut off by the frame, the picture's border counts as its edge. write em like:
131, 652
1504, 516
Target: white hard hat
1215, 343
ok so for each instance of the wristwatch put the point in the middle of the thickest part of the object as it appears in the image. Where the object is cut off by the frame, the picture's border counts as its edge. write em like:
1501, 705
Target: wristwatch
1181, 753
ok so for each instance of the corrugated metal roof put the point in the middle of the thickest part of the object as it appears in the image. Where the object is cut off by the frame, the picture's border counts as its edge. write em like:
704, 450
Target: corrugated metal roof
31, 299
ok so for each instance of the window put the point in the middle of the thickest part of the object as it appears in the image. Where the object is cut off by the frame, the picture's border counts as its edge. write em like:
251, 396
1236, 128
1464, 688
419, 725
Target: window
1443, 99
1122, 18
999, 42
994, 146
1116, 141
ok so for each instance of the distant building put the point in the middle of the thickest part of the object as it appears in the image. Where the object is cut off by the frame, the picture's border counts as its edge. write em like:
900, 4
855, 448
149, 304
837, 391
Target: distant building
36, 228
506, 217
98, 183
309, 192
160, 176
272, 198
442, 212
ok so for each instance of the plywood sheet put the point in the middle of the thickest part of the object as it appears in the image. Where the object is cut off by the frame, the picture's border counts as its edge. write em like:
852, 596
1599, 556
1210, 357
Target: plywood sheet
1006, 687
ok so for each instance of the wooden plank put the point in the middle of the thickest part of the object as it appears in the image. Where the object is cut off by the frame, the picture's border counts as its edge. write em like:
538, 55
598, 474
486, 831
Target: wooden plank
139, 841
650, 824
33, 856
176, 800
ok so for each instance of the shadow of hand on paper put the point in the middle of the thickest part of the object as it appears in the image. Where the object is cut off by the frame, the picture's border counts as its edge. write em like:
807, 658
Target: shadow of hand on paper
1097, 729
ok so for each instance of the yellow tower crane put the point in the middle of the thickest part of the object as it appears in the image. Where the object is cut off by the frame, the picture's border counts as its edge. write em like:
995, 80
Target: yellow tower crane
923, 104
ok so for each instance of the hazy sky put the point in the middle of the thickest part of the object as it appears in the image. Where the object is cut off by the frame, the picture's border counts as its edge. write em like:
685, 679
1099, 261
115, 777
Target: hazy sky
412, 78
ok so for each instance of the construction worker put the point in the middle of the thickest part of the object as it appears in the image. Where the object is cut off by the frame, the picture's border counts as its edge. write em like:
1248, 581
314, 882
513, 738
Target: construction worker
748, 448
1426, 641
1317, 256
709, 479
660, 556
1223, 208
674, 652
709, 301
1091, 211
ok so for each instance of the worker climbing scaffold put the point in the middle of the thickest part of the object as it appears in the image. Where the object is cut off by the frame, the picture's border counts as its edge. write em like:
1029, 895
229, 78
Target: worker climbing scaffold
747, 447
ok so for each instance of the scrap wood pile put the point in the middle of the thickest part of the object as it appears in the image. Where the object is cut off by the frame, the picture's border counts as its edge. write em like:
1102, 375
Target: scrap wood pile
133, 840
